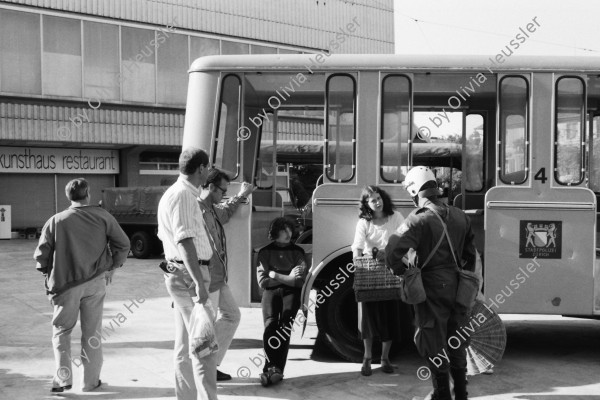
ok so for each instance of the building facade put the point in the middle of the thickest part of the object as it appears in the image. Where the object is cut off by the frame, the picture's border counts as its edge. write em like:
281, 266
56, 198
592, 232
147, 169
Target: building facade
97, 88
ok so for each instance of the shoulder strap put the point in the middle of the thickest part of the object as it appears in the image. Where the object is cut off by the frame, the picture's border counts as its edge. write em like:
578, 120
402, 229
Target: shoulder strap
447, 236
435, 249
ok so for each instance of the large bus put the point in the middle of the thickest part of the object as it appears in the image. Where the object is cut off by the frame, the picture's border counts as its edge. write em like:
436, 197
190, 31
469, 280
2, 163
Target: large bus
514, 142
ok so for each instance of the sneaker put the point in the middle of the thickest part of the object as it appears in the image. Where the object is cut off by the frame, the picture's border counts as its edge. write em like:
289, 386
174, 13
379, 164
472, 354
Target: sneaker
222, 376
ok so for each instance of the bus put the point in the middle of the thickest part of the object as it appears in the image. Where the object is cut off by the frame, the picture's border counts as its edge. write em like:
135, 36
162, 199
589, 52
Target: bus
515, 144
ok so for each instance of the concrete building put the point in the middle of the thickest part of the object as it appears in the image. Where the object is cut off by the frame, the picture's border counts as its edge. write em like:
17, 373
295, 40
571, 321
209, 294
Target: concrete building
98, 87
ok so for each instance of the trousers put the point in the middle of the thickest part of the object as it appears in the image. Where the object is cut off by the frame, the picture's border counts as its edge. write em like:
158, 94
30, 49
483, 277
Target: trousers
194, 379
438, 319
86, 299
279, 307
228, 319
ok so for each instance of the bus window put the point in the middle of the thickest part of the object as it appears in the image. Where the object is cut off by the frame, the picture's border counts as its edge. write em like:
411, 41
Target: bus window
569, 130
440, 149
341, 128
395, 128
226, 154
514, 94
595, 156
474, 153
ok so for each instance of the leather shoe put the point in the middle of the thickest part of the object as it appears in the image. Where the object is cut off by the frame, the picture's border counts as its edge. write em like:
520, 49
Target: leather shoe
222, 376
61, 389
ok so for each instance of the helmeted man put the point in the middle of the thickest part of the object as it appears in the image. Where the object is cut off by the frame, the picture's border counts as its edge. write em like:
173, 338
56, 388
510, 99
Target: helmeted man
438, 317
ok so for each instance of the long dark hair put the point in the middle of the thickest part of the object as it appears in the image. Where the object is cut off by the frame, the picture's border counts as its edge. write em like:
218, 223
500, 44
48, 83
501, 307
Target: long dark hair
365, 210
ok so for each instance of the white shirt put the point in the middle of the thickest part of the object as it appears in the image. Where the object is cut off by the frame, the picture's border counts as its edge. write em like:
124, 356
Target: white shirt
180, 217
369, 235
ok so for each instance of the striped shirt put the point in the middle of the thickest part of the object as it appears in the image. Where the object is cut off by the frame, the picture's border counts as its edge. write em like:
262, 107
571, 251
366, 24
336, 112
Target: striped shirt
180, 217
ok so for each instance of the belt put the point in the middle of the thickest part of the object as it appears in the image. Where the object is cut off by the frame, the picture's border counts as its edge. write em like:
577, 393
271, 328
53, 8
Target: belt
201, 262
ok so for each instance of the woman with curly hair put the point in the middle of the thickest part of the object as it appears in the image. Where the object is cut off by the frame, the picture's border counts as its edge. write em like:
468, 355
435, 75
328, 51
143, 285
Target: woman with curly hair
376, 319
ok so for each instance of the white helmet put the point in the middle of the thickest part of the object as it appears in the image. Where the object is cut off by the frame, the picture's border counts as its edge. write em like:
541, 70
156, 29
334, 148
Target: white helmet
416, 178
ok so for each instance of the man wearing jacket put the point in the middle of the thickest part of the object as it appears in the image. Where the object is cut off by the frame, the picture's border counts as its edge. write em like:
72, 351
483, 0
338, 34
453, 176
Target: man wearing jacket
78, 251
439, 316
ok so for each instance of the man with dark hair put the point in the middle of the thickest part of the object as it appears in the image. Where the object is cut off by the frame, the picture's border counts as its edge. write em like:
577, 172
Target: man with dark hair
215, 215
78, 251
439, 316
187, 247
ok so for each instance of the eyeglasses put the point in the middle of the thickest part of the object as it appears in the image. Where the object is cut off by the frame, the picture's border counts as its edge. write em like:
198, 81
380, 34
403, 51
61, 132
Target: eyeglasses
223, 191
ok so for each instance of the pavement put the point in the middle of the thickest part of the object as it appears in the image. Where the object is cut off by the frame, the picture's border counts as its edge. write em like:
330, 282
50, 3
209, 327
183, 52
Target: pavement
547, 357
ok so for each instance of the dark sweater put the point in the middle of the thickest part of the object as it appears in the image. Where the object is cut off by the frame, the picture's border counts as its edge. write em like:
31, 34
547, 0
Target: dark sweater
281, 259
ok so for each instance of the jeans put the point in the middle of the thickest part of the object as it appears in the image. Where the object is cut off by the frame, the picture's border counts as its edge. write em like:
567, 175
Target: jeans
279, 307
87, 299
228, 319
194, 379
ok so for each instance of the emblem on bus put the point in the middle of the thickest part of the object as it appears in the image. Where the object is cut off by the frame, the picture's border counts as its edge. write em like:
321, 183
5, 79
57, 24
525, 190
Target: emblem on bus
542, 239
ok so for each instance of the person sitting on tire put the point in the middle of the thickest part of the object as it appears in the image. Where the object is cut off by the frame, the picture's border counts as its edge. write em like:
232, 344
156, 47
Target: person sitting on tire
376, 319
281, 273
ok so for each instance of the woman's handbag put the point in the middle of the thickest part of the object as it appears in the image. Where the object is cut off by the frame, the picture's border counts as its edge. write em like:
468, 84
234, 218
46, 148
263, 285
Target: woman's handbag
373, 281
468, 282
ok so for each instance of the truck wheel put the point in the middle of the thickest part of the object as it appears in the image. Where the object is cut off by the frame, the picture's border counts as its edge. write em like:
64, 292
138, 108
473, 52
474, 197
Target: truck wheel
305, 238
337, 319
141, 244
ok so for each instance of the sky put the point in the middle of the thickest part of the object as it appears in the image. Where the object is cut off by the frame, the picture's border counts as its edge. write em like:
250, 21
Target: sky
484, 27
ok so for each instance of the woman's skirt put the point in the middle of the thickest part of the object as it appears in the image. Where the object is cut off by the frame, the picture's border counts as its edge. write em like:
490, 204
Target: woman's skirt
379, 319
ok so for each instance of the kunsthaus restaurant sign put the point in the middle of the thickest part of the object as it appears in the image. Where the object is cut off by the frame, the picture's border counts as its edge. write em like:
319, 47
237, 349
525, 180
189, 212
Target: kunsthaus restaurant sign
58, 161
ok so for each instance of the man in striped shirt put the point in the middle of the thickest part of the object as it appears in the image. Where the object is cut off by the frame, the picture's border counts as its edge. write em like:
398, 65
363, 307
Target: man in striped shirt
182, 231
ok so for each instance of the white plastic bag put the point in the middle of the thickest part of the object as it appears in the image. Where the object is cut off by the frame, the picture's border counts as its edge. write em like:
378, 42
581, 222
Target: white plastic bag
203, 341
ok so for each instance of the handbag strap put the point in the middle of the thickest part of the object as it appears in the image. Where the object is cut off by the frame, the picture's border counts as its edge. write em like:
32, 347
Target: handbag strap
447, 237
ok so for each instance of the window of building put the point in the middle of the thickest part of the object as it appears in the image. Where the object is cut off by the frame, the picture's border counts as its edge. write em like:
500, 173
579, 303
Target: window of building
340, 127
226, 154
395, 128
569, 130
101, 61
234, 47
256, 49
514, 130
200, 47
173, 64
61, 75
138, 66
20, 64
159, 163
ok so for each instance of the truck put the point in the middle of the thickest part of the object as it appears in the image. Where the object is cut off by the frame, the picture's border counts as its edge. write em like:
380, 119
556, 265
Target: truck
135, 209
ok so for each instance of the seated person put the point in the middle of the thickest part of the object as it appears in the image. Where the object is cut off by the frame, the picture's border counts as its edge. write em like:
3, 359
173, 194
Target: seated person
281, 273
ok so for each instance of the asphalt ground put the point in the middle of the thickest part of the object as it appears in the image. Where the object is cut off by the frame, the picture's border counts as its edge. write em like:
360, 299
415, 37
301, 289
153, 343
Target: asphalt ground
547, 357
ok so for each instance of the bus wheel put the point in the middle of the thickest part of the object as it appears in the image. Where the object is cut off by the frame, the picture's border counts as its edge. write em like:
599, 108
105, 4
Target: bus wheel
337, 320
141, 244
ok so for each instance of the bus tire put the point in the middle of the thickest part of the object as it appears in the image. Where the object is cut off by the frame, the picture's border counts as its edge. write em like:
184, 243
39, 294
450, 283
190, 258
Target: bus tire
337, 319
141, 244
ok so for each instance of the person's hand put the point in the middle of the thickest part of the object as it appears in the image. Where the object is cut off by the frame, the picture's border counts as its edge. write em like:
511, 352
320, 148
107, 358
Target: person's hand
380, 256
202, 294
108, 275
297, 271
246, 189
272, 274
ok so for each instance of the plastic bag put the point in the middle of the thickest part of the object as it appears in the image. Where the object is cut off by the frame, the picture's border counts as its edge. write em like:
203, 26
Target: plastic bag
203, 341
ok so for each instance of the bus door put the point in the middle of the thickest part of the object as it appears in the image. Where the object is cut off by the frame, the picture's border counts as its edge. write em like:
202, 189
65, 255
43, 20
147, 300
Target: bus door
540, 219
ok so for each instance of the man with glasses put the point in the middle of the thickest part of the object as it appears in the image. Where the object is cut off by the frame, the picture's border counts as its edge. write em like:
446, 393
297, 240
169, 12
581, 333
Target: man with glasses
216, 214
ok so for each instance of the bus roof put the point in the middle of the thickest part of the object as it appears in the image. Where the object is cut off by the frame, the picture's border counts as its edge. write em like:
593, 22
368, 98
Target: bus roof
345, 62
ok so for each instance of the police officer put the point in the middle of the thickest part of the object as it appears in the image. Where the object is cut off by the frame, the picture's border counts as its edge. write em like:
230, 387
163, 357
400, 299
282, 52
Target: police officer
438, 317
